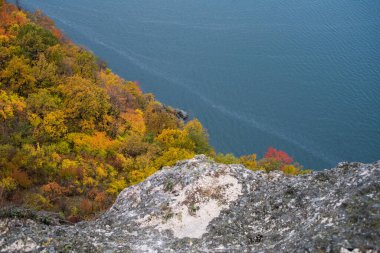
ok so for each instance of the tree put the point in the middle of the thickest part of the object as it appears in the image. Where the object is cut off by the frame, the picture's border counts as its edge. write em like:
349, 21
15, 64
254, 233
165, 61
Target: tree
21, 18
85, 64
85, 103
42, 102
34, 40
70, 170
133, 145
18, 76
135, 121
9, 105
6, 53
56, 54
158, 118
175, 138
44, 72
21, 178
11, 113
97, 144
198, 135
53, 125
47, 23
122, 98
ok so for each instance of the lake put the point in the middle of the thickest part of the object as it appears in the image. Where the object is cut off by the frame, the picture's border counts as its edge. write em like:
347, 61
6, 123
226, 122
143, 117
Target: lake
299, 75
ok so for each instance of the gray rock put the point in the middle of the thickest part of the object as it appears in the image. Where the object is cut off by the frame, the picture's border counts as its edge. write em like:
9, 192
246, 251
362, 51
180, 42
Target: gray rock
202, 206
181, 114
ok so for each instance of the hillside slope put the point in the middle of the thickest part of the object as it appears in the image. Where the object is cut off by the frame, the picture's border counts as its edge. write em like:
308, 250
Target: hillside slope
73, 134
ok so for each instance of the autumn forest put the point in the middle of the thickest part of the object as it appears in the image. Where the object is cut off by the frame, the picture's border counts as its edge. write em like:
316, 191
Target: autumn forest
73, 134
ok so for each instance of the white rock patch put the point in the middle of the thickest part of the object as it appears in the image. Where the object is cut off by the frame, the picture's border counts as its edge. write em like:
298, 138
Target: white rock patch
21, 245
197, 205
3, 227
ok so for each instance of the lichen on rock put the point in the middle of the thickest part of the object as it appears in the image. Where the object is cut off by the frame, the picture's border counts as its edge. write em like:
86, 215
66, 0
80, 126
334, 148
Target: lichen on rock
201, 206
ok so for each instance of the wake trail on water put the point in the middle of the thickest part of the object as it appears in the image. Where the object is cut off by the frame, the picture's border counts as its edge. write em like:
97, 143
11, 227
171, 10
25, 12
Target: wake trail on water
134, 59
128, 54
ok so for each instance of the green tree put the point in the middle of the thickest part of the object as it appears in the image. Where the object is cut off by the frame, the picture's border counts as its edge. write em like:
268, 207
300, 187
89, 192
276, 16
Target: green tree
85, 64
34, 40
198, 135
133, 145
42, 102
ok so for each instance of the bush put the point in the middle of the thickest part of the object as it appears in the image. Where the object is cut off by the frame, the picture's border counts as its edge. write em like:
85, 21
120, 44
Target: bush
171, 156
7, 185
226, 159
116, 186
37, 202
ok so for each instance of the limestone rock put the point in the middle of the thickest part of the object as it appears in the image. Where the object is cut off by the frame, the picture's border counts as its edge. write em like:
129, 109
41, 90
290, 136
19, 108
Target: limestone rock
202, 206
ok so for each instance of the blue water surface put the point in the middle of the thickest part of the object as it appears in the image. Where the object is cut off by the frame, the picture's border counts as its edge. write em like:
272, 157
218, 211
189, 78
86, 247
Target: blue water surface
299, 75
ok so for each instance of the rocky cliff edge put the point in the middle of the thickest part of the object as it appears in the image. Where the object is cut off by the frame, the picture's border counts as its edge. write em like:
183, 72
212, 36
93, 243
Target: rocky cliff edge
202, 206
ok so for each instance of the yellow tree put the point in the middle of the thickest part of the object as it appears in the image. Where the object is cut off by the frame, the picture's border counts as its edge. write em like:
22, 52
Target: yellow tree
249, 161
9, 104
85, 103
171, 156
117, 90
198, 135
18, 76
44, 72
175, 138
135, 121
53, 125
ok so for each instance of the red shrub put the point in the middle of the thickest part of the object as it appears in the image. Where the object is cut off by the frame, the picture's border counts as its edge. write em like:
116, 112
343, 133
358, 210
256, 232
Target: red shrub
278, 155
